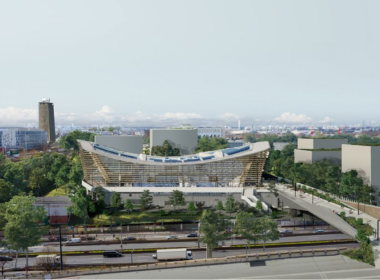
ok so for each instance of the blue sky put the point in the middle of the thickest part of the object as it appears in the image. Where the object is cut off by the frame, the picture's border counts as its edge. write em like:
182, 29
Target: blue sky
166, 62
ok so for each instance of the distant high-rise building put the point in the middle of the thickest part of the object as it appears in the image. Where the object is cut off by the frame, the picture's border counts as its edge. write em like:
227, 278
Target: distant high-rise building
46, 118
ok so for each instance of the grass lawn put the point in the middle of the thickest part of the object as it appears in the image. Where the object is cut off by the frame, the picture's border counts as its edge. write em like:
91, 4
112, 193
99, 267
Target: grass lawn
138, 217
58, 192
147, 217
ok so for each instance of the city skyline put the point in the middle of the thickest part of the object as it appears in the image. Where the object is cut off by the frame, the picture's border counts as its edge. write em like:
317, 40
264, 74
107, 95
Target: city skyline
157, 64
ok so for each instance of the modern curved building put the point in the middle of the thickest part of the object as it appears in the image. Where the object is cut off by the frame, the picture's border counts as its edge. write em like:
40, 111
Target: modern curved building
220, 171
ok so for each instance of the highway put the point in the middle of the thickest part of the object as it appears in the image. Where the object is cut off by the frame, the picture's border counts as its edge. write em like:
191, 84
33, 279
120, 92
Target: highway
186, 244
163, 235
147, 257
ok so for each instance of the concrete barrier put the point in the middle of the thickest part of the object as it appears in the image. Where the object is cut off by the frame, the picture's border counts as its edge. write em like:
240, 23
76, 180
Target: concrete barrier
197, 262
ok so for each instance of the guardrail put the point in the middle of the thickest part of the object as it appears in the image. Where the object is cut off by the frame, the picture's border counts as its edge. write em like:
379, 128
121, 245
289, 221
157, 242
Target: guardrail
191, 263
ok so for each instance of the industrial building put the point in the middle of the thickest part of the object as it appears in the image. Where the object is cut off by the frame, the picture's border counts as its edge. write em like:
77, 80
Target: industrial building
46, 120
183, 138
126, 143
24, 138
311, 150
204, 175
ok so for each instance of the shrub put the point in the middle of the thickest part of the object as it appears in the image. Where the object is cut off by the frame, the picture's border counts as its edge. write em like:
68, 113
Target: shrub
359, 222
342, 214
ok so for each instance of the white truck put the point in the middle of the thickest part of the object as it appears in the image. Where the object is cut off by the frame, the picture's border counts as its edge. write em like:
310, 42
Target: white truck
173, 254
47, 259
74, 240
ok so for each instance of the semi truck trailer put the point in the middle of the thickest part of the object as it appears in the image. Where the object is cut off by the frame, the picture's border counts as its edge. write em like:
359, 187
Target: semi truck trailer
173, 254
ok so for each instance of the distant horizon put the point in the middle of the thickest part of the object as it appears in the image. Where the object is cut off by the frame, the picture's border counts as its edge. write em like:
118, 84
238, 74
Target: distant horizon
213, 62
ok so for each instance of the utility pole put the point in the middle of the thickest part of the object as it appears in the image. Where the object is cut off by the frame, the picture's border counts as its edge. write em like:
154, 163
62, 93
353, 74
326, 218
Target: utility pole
121, 237
60, 247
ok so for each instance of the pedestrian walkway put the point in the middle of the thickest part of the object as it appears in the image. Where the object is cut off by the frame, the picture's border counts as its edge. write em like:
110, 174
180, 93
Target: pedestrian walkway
367, 219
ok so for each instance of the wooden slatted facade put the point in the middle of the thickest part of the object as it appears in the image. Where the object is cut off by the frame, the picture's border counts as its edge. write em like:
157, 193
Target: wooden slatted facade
101, 169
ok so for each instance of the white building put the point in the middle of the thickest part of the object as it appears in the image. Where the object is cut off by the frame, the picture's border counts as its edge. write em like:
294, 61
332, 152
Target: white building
311, 150
365, 159
184, 138
125, 143
27, 139
211, 132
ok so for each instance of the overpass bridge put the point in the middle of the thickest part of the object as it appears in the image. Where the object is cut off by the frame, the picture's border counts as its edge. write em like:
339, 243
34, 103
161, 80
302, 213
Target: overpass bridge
321, 212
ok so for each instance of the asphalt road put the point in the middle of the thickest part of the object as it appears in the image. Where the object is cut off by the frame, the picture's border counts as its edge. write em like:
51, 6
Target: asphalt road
186, 244
163, 235
147, 257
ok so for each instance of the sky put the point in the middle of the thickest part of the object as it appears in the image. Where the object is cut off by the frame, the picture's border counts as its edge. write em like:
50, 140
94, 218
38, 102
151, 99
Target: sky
158, 63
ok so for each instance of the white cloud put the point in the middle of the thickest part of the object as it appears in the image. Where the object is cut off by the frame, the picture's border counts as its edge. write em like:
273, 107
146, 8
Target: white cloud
230, 116
13, 116
293, 118
105, 110
179, 116
326, 120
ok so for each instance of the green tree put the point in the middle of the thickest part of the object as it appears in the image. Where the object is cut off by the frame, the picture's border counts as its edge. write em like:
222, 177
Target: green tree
76, 171
2, 215
116, 200
246, 226
273, 189
176, 198
191, 206
14, 176
80, 202
69, 142
213, 229
165, 150
230, 205
259, 205
267, 230
352, 185
206, 144
128, 205
23, 228
361, 235
6, 191
219, 205
36, 180
296, 174
250, 138
146, 199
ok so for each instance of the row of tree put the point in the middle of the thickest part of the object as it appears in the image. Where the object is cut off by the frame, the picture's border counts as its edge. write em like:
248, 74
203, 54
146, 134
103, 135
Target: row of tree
38, 175
69, 141
271, 138
324, 175
214, 229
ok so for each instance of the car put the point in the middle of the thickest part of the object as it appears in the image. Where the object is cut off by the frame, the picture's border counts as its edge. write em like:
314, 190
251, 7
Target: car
130, 238
192, 235
112, 254
5, 258
286, 231
318, 231
171, 237
154, 256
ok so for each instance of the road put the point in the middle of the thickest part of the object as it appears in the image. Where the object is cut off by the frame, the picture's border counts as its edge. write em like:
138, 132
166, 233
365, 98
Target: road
163, 235
187, 244
147, 257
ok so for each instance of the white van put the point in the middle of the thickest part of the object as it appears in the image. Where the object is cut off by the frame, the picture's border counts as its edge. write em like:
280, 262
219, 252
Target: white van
74, 240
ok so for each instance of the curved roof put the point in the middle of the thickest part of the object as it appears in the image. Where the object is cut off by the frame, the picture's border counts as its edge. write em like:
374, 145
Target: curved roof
203, 157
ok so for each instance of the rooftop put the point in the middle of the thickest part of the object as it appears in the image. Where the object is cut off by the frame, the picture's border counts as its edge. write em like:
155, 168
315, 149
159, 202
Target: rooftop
195, 158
